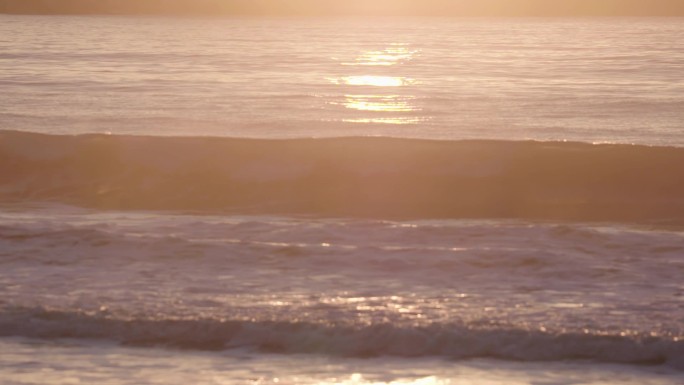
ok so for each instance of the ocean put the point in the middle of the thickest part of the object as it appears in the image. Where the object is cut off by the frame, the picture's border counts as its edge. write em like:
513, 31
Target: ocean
341, 200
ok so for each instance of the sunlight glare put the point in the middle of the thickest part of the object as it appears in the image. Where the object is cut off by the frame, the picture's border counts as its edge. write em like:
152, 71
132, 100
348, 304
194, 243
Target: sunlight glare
373, 81
357, 379
396, 54
381, 101
388, 103
398, 121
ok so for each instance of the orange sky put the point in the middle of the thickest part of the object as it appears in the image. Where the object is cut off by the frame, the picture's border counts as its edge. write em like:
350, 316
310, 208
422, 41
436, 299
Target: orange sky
357, 7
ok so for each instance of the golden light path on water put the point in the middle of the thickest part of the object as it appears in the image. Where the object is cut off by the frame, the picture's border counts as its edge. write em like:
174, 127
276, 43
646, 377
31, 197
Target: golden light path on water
383, 104
398, 120
389, 103
392, 55
375, 81
358, 379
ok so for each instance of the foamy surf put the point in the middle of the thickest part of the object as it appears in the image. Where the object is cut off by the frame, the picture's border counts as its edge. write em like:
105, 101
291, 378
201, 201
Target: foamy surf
333, 337
358, 288
58, 358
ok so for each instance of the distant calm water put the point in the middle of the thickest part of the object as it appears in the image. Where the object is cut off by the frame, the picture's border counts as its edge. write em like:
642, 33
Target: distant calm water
596, 80
364, 261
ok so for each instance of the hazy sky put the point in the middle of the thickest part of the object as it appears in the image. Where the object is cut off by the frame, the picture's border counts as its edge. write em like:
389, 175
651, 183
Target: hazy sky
357, 7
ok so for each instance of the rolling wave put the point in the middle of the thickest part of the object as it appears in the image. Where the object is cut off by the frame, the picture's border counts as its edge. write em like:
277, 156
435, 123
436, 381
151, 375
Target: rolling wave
347, 177
458, 341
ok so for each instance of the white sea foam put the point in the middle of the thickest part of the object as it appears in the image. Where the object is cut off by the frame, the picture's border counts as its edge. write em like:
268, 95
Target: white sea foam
508, 289
33, 362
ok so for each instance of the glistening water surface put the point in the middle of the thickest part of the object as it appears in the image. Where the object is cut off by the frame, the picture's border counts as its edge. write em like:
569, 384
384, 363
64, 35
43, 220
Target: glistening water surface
234, 261
596, 80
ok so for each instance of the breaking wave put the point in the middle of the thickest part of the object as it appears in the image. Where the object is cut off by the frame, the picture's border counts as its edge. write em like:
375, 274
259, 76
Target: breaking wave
457, 341
348, 177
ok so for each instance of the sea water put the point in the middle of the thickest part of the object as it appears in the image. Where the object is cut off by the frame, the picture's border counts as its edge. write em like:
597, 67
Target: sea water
135, 259
597, 80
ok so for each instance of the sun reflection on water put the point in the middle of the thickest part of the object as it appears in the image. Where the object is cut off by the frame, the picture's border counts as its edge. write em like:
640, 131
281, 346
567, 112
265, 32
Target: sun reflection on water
386, 98
358, 379
398, 120
374, 81
389, 103
396, 53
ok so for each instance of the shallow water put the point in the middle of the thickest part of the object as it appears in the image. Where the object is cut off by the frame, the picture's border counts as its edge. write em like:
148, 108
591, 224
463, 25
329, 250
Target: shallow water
69, 362
459, 289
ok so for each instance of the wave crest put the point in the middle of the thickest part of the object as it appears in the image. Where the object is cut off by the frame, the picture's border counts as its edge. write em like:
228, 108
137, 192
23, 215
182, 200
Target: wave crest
456, 341
349, 177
